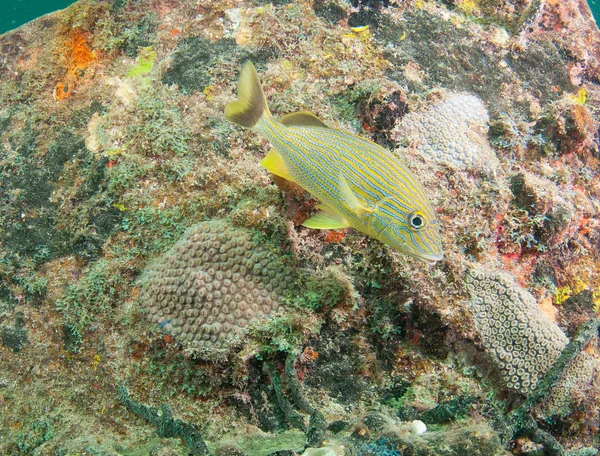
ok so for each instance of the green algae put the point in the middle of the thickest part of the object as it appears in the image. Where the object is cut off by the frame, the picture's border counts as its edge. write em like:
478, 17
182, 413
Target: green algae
36, 433
139, 36
71, 338
159, 130
145, 63
166, 425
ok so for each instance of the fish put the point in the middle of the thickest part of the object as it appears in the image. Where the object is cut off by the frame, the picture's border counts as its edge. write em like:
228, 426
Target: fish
359, 184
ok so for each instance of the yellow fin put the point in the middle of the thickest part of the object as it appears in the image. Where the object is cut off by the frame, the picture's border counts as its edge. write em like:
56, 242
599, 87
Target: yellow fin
274, 163
357, 206
326, 221
360, 29
302, 119
251, 102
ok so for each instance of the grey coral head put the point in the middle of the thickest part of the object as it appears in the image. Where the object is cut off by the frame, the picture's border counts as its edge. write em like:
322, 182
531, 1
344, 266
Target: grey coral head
452, 130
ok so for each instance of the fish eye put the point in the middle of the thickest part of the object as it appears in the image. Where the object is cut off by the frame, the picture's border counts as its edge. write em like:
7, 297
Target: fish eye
417, 220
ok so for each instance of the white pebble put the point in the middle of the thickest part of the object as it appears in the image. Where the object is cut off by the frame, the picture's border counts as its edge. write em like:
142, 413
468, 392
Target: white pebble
418, 427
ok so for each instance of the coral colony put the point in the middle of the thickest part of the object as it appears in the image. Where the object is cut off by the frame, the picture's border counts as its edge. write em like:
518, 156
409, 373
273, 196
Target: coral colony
211, 286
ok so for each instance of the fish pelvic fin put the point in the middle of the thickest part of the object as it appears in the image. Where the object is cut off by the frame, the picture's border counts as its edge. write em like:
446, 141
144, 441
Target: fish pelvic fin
251, 103
273, 162
326, 220
357, 206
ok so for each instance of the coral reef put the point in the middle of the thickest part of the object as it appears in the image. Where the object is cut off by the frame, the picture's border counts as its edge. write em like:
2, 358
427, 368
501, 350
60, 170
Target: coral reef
524, 344
520, 422
133, 217
580, 379
522, 341
452, 130
211, 286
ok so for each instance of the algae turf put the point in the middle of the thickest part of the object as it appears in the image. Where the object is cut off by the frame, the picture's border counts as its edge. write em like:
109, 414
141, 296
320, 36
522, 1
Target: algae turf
138, 35
16, 336
444, 54
33, 220
341, 366
195, 57
329, 10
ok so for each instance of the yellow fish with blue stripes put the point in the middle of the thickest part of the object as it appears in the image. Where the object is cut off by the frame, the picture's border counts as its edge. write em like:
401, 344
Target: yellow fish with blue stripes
360, 184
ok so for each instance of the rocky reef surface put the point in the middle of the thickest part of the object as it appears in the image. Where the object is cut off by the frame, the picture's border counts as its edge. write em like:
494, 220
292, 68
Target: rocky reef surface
160, 296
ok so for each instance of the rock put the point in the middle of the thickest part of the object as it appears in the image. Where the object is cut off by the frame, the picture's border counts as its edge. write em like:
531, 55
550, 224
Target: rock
337, 450
475, 440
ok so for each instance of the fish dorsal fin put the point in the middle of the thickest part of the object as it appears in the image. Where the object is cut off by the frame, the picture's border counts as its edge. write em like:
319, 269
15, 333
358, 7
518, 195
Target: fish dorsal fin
357, 206
274, 163
302, 119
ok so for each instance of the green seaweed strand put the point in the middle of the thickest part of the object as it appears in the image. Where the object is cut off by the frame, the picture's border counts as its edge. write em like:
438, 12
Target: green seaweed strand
166, 425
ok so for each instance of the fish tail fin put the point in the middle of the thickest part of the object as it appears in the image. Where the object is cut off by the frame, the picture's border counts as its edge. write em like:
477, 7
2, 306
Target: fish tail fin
251, 103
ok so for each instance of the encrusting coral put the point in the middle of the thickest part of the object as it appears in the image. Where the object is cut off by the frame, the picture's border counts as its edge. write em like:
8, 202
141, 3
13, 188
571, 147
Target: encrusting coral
577, 378
212, 285
452, 130
522, 342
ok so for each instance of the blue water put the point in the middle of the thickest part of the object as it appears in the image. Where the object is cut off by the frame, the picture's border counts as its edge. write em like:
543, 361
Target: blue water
595, 7
18, 12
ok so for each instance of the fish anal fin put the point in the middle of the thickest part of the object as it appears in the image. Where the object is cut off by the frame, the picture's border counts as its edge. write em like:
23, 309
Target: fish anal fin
274, 163
326, 221
356, 205
302, 119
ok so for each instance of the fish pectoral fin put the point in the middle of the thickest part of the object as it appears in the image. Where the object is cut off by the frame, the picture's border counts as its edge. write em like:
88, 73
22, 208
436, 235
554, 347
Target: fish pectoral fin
326, 221
302, 119
356, 205
274, 163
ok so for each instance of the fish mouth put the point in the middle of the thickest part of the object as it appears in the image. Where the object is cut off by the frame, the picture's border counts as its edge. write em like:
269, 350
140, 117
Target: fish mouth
429, 258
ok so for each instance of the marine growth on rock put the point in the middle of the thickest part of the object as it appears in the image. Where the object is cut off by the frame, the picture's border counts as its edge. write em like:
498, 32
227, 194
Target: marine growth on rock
521, 341
452, 130
211, 286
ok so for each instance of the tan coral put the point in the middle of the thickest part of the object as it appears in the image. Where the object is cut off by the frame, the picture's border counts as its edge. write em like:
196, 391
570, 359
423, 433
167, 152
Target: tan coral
451, 130
212, 286
521, 341
524, 344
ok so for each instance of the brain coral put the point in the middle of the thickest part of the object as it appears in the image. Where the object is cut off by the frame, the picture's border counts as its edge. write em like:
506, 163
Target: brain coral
522, 342
452, 131
212, 285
